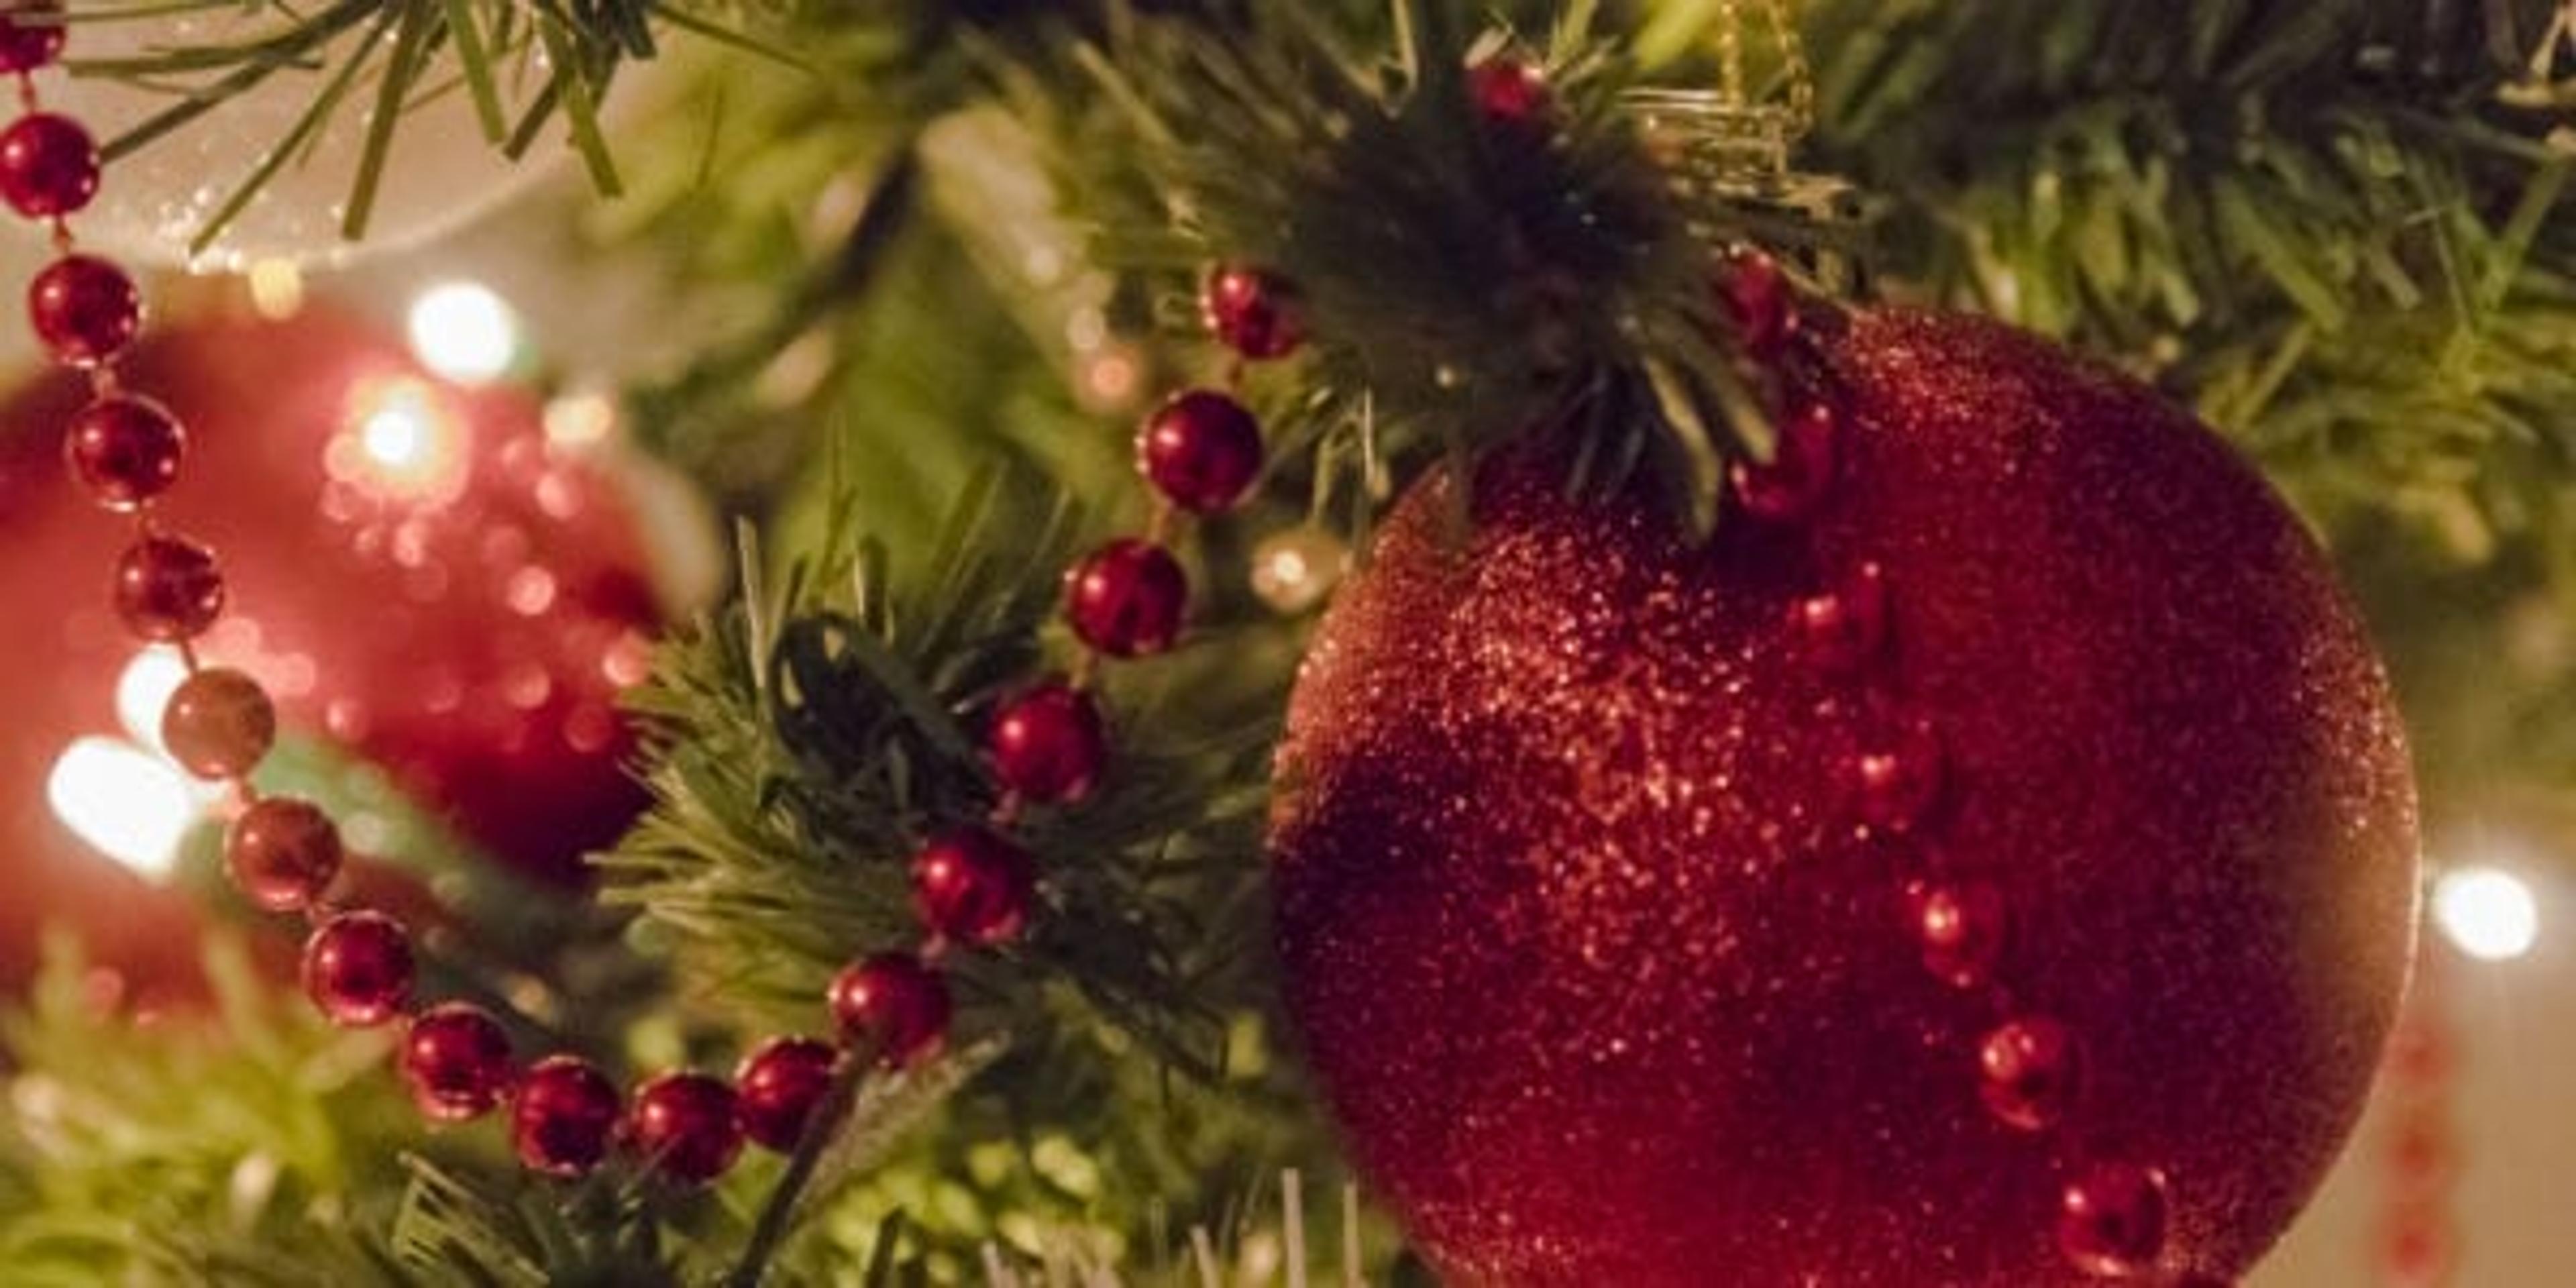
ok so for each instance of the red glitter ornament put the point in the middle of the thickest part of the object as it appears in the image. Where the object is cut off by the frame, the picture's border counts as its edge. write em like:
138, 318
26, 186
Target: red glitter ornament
48, 165
219, 723
1202, 450
85, 309
358, 969
168, 588
1599, 971
1127, 598
1252, 312
973, 887
779, 1087
457, 1062
684, 1125
1047, 743
282, 853
564, 1118
126, 450
895, 1004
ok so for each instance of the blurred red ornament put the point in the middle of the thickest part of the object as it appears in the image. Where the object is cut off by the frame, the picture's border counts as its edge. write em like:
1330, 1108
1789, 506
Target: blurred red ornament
1511, 91
358, 969
126, 450
896, 1004
84, 308
973, 887
1254, 313
283, 853
31, 35
1600, 966
410, 570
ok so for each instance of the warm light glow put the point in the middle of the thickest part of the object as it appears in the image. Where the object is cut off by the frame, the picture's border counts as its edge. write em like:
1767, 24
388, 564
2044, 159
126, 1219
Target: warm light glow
127, 803
403, 443
578, 422
276, 288
144, 690
463, 331
2488, 913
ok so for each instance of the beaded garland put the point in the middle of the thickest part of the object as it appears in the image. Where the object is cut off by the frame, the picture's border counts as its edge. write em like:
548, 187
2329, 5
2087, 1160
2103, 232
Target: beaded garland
972, 887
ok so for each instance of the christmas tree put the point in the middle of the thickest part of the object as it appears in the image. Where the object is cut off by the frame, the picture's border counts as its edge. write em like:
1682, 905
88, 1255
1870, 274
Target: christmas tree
1243, 641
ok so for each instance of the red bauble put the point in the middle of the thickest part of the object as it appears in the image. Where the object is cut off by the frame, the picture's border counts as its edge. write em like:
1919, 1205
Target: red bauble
457, 1062
895, 1004
1611, 981
973, 887
565, 1117
1126, 599
358, 969
1047, 743
1201, 450
779, 1086
685, 1126
84, 308
48, 165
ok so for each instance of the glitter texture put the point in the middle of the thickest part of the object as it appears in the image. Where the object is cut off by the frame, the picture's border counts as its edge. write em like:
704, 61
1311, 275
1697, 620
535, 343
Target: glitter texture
1607, 981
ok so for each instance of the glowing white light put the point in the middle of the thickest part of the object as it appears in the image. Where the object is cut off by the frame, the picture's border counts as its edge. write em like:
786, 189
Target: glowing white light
2490, 914
463, 331
144, 690
403, 443
127, 803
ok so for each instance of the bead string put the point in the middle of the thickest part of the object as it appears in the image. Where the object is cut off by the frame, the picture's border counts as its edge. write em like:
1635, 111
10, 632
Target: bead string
972, 887
2112, 1212
2419, 1234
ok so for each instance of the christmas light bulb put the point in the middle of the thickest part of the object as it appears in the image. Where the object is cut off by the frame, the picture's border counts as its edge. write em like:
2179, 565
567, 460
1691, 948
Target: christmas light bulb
2488, 913
125, 802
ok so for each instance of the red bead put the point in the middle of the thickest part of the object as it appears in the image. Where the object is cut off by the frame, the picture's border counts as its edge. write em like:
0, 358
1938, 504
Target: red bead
1202, 450
1897, 779
779, 1086
565, 1117
85, 309
31, 34
1758, 301
168, 588
283, 853
685, 1127
1047, 743
2028, 1072
1960, 928
219, 723
973, 887
1252, 312
2111, 1219
48, 165
358, 969
1127, 598
1842, 630
894, 1003
457, 1062
125, 450
1510, 91
1800, 473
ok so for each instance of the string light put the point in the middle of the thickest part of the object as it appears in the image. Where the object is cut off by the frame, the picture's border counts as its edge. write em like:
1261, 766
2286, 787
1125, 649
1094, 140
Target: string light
463, 331
2488, 913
